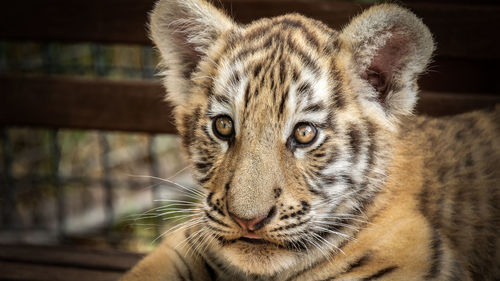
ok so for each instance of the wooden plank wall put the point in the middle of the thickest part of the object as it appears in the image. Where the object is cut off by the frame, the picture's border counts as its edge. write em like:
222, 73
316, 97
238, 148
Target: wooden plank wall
465, 66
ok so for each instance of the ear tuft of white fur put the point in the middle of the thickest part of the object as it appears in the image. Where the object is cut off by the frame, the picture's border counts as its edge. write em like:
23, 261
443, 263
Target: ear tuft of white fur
183, 31
389, 47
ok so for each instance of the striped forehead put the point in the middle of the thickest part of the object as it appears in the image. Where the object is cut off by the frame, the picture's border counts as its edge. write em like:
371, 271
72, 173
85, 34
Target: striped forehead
280, 75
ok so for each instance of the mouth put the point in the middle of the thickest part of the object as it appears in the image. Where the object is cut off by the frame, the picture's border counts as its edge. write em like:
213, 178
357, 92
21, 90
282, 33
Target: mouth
254, 240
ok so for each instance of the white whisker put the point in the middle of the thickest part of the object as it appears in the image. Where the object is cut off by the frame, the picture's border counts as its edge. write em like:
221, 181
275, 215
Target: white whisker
189, 189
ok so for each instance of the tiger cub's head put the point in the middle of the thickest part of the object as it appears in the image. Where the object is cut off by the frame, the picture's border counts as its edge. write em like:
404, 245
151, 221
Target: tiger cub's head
287, 123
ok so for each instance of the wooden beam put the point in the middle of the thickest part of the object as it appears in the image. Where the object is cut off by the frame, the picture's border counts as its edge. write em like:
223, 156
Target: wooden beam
106, 21
137, 105
466, 30
441, 104
36, 272
85, 104
49, 263
109, 260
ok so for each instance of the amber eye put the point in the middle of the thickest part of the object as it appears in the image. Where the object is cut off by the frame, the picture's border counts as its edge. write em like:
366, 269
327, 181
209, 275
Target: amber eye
304, 133
223, 127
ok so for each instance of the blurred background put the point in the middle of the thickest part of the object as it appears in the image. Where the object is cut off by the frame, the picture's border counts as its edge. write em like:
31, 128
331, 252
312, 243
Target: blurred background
88, 149
84, 187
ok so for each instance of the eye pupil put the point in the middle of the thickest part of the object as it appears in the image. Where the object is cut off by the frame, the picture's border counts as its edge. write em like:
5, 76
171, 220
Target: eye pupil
223, 127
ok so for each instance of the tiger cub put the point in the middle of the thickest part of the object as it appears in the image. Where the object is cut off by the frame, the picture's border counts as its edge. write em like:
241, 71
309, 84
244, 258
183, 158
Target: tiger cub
310, 162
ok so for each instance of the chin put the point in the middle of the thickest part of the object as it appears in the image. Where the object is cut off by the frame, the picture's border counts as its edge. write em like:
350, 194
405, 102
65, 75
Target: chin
259, 258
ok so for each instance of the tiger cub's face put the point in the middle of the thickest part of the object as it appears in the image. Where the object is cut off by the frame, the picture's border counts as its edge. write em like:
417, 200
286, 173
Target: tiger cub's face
288, 124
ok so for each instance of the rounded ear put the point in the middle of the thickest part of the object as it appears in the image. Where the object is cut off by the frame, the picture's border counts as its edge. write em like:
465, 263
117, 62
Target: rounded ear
388, 48
183, 31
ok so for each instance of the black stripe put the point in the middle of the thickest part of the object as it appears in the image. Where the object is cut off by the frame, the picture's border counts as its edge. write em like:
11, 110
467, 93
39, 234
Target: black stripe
350, 267
282, 70
282, 103
380, 273
435, 215
207, 177
257, 69
329, 180
250, 47
211, 272
247, 95
235, 78
337, 93
316, 167
268, 42
424, 201
190, 123
215, 219
222, 99
207, 133
319, 155
209, 199
269, 34
257, 32
215, 207
216, 229
354, 141
288, 226
273, 86
310, 38
203, 167
242, 54
334, 37
437, 253
358, 263
333, 157
315, 107
305, 58
295, 74
304, 89
267, 67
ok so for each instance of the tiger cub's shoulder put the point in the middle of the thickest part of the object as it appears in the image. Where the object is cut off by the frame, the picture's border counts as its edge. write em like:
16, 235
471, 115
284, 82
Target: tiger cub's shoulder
459, 191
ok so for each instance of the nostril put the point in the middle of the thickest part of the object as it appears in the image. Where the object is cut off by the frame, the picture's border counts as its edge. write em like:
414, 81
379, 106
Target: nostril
261, 223
255, 223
